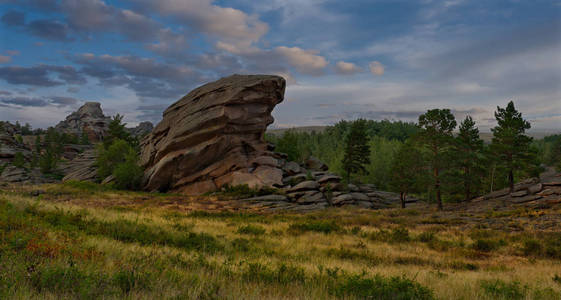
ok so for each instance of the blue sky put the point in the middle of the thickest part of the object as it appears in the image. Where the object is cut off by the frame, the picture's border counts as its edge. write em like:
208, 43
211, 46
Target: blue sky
342, 59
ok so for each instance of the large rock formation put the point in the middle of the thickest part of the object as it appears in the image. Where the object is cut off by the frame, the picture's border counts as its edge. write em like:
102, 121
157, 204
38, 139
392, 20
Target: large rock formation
214, 136
89, 119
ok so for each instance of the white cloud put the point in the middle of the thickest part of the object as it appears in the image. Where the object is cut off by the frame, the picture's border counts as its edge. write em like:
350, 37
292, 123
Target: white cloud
305, 61
347, 68
235, 29
376, 68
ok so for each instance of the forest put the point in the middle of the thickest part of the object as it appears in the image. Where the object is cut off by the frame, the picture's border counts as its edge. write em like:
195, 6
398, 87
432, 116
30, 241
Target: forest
402, 156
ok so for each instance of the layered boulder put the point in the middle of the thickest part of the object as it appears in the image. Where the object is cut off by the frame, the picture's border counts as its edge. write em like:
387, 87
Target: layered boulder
214, 137
88, 119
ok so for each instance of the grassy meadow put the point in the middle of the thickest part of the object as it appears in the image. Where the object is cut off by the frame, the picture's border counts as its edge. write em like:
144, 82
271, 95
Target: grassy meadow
83, 241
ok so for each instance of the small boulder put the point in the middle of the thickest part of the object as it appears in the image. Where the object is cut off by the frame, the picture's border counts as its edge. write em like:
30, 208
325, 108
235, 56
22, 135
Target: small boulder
535, 188
304, 186
519, 193
314, 163
291, 168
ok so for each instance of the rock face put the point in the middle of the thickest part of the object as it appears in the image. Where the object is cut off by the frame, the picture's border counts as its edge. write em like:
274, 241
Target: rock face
143, 129
89, 119
214, 136
81, 168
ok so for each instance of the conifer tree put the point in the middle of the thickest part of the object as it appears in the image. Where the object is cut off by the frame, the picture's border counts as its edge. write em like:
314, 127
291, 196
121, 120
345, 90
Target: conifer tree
357, 150
510, 144
406, 166
436, 137
468, 156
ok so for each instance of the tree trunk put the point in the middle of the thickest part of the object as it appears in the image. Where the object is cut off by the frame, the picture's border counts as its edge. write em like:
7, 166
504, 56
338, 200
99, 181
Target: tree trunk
402, 197
511, 180
437, 188
467, 184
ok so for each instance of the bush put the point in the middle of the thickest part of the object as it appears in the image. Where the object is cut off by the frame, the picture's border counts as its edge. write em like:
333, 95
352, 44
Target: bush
486, 245
120, 159
316, 226
499, 289
532, 247
397, 235
19, 160
382, 288
251, 229
128, 174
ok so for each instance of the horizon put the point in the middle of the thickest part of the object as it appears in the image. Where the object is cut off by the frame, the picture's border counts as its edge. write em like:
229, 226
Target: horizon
384, 60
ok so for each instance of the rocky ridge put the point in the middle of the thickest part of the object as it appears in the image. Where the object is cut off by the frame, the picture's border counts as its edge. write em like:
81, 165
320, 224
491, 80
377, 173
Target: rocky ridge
88, 119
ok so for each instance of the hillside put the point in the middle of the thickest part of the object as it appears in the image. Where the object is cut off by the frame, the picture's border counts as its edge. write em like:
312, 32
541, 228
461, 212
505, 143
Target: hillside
79, 240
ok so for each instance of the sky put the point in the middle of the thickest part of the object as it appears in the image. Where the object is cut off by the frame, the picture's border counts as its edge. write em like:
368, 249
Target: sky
375, 59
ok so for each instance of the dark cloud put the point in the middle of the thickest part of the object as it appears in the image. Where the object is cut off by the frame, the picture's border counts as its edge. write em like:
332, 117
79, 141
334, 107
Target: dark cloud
41, 75
13, 18
24, 101
49, 29
73, 89
5, 93
46, 29
147, 77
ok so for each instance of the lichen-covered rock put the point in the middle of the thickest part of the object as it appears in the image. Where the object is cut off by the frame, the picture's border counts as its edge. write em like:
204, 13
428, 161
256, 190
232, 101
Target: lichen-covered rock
214, 134
88, 119
142, 129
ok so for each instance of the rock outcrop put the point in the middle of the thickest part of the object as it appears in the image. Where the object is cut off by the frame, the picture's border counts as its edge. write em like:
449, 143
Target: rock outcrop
542, 191
214, 137
81, 168
143, 129
88, 119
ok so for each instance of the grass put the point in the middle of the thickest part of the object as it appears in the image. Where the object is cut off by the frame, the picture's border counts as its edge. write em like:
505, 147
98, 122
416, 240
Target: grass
82, 241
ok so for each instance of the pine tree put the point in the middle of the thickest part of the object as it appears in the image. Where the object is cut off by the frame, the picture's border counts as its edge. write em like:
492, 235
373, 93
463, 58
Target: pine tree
406, 166
116, 131
469, 156
357, 150
436, 136
510, 144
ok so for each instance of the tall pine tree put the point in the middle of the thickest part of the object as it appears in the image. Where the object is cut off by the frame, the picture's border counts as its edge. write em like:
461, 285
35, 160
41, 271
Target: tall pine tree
510, 144
469, 157
357, 150
406, 166
436, 137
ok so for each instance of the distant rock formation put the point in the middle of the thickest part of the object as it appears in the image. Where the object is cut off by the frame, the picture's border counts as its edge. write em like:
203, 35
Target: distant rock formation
89, 119
214, 136
143, 129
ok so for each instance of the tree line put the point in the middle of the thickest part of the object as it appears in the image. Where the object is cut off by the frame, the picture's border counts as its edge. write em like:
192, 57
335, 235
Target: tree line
429, 158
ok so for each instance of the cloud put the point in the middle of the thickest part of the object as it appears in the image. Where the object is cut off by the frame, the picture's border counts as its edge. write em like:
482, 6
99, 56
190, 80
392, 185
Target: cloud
233, 27
376, 68
5, 59
147, 77
5, 93
13, 18
41, 75
24, 101
346, 68
63, 101
305, 61
49, 29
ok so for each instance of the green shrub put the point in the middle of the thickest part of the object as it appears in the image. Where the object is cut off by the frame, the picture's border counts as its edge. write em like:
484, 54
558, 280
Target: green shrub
251, 229
553, 246
316, 226
532, 247
499, 289
119, 159
426, 237
128, 280
378, 287
19, 160
486, 245
128, 175
397, 235
281, 274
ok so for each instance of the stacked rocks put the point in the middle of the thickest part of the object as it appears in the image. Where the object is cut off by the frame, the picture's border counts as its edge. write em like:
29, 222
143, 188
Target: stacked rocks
310, 186
544, 190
